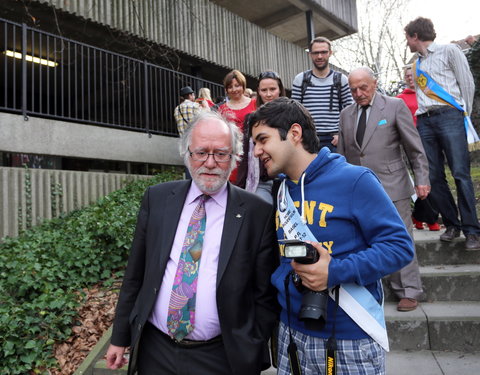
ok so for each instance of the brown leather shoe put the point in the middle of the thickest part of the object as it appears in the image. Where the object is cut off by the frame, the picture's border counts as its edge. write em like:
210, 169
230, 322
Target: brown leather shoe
450, 234
407, 304
473, 242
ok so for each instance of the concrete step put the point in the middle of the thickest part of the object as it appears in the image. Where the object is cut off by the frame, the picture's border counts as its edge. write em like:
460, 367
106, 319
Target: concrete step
399, 362
438, 326
100, 368
446, 283
428, 362
432, 251
435, 326
451, 282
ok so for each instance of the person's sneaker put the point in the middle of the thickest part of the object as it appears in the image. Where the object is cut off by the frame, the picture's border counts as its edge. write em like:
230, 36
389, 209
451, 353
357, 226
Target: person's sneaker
472, 242
418, 224
450, 234
407, 304
434, 227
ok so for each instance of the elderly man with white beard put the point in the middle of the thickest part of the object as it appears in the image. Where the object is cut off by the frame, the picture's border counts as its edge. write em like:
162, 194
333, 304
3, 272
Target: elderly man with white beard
196, 297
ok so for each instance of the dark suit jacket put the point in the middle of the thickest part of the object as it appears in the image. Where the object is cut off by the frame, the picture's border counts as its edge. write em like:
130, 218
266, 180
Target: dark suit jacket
248, 255
389, 128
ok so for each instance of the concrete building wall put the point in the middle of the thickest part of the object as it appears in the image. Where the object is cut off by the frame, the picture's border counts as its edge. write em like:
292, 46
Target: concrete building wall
59, 138
341, 9
199, 28
28, 196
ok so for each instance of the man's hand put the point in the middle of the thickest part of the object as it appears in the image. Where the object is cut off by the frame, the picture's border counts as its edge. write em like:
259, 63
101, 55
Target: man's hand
314, 276
115, 357
422, 191
335, 140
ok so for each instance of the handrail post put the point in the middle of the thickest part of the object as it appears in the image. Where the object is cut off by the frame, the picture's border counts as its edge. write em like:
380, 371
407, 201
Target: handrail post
145, 85
24, 71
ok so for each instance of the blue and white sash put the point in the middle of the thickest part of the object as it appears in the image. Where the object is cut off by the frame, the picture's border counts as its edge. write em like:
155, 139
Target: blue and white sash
354, 299
436, 92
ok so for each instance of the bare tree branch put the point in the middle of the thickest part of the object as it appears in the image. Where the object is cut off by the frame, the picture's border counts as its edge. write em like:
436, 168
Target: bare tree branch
379, 43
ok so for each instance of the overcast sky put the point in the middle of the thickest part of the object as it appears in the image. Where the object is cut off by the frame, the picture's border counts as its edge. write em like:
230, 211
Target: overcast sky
453, 20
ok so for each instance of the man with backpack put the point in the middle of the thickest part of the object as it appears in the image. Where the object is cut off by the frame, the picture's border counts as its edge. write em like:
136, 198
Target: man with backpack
323, 91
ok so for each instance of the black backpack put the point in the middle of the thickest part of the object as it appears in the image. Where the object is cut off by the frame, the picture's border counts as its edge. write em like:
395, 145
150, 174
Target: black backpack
337, 84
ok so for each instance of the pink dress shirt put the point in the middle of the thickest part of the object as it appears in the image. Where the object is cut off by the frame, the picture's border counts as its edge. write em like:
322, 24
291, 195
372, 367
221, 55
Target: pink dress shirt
207, 324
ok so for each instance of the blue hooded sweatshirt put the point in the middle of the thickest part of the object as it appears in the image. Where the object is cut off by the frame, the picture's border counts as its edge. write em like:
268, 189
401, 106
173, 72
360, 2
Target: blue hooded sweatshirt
349, 213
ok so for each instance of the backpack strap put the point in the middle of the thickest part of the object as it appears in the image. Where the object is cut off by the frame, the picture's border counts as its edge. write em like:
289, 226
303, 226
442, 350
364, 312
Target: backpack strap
337, 84
306, 81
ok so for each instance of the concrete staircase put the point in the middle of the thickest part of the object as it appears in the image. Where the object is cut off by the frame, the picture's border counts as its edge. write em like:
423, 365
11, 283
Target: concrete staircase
448, 318
442, 336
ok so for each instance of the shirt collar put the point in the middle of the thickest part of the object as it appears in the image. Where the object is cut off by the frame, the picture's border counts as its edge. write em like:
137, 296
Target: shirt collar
220, 197
430, 49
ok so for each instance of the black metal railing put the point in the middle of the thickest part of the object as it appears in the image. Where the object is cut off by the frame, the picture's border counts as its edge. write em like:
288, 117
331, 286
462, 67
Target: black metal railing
46, 75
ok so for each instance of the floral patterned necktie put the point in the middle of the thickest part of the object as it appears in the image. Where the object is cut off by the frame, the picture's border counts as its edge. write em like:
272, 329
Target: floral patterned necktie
181, 309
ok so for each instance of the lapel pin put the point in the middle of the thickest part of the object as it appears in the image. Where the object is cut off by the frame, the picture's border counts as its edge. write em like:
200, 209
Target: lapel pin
238, 216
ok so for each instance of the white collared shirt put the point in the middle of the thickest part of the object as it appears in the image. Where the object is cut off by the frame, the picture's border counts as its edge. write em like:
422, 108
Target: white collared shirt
448, 66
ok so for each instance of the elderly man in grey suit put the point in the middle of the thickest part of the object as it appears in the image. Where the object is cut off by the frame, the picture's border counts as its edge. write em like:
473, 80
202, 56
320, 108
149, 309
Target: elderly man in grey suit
372, 132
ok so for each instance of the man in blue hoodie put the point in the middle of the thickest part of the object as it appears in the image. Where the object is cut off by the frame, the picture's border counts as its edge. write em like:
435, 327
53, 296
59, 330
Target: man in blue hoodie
343, 211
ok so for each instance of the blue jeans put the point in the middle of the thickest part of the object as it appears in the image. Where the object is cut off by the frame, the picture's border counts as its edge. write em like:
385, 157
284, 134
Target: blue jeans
444, 134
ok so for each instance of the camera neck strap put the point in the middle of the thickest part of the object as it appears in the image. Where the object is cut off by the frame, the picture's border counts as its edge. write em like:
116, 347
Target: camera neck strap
331, 348
292, 347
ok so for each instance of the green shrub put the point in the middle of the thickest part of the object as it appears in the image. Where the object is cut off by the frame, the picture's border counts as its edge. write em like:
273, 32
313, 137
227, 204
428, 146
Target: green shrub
43, 270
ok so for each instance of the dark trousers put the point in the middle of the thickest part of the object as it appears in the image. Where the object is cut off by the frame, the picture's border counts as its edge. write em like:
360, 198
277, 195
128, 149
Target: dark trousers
326, 141
444, 133
158, 354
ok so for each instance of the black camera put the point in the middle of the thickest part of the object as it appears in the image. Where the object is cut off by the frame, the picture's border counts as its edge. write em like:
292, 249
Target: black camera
313, 311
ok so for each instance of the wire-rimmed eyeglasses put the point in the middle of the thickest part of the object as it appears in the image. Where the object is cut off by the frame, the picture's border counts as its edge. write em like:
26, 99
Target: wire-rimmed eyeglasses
219, 156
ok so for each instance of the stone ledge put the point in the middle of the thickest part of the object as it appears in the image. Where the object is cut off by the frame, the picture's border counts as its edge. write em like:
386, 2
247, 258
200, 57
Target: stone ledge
98, 351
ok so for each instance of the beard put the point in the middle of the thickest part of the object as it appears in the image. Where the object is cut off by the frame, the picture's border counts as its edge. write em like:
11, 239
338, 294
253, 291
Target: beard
209, 184
321, 65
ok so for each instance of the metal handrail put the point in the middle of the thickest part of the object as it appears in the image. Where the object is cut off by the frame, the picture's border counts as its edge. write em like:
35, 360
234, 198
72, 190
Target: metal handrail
87, 84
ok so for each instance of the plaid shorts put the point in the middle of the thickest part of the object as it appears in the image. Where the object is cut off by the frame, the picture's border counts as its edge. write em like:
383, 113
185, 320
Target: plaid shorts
354, 357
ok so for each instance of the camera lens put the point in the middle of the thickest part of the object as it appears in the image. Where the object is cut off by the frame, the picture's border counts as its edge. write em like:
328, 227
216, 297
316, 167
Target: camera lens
313, 311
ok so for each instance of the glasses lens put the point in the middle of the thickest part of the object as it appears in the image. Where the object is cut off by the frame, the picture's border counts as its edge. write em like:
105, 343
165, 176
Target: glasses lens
221, 156
317, 53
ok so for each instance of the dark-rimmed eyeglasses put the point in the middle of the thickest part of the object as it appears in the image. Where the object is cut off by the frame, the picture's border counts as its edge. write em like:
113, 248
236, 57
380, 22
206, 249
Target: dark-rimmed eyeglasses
268, 74
219, 156
318, 53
